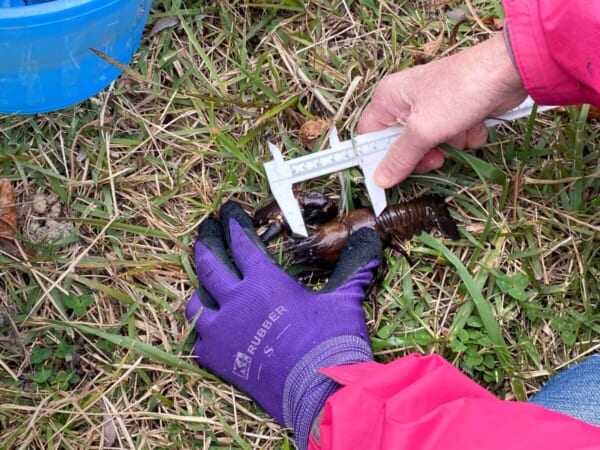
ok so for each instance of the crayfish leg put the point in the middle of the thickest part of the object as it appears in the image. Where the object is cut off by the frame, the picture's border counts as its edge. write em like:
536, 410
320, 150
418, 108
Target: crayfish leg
401, 247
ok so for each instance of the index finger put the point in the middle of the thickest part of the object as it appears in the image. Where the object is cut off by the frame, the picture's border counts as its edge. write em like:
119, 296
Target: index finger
373, 119
403, 156
387, 107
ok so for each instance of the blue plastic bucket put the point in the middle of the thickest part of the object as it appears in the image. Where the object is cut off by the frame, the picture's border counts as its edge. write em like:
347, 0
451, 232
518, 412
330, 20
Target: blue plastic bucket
45, 58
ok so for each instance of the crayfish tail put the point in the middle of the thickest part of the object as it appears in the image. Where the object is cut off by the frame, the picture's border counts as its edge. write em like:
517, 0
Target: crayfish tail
447, 227
442, 219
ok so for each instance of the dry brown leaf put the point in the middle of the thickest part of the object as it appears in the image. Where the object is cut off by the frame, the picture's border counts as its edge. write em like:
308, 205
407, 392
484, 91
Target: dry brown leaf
495, 23
593, 113
8, 221
499, 23
311, 130
8, 210
8, 218
432, 47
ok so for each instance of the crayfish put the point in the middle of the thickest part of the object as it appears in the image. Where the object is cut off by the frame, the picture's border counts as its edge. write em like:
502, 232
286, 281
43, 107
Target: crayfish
324, 245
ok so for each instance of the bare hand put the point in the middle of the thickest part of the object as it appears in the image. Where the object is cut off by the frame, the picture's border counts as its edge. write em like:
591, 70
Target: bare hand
442, 101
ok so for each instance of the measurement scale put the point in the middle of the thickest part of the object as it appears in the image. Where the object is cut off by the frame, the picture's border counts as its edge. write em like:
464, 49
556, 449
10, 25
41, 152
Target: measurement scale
364, 151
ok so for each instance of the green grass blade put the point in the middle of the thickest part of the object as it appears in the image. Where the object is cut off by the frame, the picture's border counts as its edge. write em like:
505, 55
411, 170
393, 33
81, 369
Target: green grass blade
483, 307
139, 347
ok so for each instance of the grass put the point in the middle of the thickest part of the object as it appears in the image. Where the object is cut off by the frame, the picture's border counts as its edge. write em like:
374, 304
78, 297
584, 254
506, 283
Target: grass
94, 347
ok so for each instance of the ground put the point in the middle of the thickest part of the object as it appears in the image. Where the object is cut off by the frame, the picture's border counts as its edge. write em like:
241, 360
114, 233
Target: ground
94, 346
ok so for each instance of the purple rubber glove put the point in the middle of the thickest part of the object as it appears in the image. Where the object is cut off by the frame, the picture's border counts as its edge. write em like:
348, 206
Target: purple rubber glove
264, 332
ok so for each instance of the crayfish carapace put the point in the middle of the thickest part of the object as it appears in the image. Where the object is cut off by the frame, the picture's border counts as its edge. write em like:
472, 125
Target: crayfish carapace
323, 246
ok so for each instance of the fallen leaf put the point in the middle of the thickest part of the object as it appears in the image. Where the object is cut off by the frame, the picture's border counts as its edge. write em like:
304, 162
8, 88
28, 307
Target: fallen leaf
594, 113
592, 116
432, 47
8, 221
494, 23
162, 24
8, 210
311, 130
9, 246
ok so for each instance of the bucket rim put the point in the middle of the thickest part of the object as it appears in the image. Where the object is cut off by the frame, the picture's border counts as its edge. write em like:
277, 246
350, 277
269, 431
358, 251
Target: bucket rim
53, 10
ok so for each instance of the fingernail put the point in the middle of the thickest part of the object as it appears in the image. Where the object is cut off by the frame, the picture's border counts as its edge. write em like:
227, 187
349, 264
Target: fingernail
383, 177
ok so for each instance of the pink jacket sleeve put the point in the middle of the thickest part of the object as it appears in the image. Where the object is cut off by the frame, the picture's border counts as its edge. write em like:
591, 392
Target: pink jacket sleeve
555, 47
424, 403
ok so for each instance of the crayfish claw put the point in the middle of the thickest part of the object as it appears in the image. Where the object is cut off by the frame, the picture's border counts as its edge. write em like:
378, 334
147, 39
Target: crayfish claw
273, 230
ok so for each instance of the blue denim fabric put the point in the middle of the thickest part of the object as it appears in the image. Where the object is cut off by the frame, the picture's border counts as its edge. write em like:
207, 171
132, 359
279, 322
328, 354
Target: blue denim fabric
574, 391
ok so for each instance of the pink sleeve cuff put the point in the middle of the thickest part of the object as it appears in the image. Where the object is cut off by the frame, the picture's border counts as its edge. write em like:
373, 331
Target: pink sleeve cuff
545, 56
425, 403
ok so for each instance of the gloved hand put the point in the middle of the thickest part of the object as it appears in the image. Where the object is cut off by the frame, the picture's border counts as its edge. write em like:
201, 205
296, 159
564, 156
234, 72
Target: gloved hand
264, 332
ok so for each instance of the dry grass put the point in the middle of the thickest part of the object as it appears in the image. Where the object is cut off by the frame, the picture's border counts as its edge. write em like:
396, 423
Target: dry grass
94, 346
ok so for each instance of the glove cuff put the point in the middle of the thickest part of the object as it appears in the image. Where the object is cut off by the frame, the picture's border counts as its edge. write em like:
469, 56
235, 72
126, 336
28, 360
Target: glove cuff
306, 390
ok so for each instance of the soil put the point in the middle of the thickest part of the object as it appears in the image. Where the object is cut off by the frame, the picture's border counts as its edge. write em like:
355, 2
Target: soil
43, 218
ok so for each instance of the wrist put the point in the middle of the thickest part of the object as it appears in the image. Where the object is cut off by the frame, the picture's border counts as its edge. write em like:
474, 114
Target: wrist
493, 77
508, 44
504, 72
306, 390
